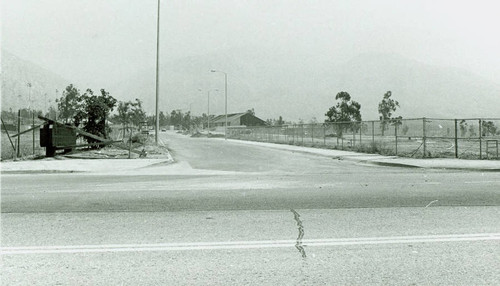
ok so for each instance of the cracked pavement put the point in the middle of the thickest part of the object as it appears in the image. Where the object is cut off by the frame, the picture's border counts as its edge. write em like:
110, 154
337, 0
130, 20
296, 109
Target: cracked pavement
227, 214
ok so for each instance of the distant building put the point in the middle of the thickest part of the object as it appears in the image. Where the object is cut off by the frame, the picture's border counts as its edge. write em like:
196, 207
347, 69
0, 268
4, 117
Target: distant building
237, 119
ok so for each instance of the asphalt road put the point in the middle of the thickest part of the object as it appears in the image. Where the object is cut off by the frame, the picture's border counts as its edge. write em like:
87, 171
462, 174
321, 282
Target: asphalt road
227, 213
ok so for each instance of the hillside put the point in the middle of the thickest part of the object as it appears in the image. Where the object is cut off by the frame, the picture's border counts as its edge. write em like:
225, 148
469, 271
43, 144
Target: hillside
16, 73
422, 90
299, 88
274, 84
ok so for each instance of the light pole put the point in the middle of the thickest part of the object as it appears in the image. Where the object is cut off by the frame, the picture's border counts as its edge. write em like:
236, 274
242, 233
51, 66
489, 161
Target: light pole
55, 102
208, 110
157, 125
225, 93
29, 95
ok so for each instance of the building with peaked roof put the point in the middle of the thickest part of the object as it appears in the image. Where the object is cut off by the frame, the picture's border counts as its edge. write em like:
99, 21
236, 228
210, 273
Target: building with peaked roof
237, 119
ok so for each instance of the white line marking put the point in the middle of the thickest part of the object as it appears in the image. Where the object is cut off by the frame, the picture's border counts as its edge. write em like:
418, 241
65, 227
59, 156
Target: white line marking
431, 203
245, 244
481, 182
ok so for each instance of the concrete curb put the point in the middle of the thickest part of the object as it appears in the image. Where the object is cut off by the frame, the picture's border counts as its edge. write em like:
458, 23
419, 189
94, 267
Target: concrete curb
417, 166
85, 170
34, 172
375, 161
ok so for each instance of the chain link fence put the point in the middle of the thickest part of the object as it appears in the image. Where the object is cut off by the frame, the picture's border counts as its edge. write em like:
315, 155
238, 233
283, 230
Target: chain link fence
477, 138
25, 145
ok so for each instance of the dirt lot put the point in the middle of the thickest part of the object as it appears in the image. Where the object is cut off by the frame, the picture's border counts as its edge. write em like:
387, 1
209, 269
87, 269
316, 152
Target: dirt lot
146, 148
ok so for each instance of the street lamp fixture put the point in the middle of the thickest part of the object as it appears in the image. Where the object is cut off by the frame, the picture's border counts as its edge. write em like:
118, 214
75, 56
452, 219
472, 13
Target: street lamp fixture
225, 93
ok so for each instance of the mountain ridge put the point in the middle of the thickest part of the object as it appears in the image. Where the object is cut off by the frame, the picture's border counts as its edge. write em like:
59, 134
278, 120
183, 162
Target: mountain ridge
292, 88
275, 83
17, 73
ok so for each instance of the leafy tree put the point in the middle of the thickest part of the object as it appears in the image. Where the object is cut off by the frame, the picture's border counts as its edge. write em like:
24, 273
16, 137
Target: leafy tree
197, 121
270, 122
186, 121
280, 121
463, 128
69, 104
275, 122
386, 107
151, 120
164, 119
472, 131
176, 117
130, 113
124, 115
488, 128
138, 114
346, 110
97, 109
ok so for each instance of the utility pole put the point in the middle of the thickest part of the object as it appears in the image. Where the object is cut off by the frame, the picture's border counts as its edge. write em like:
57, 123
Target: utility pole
29, 95
157, 125
225, 108
208, 112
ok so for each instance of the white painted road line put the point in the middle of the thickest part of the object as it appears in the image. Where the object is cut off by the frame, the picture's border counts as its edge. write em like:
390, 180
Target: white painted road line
481, 182
246, 244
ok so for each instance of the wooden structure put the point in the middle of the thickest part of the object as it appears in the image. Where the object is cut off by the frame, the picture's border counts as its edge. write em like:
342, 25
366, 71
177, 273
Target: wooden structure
55, 136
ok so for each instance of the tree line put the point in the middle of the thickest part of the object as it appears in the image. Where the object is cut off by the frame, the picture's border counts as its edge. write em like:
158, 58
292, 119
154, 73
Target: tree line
92, 112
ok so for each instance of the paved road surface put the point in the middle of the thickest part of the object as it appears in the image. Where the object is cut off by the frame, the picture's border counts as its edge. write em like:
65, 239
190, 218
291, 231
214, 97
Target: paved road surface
229, 213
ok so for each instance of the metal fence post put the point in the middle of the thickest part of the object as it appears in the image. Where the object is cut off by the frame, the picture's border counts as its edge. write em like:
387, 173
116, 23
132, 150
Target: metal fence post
353, 135
342, 135
302, 127
8, 136
18, 153
336, 128
324, 135
396, 136
456, 138
312, 133
373, 132
33, 132
360, 130
424, 137
480, 141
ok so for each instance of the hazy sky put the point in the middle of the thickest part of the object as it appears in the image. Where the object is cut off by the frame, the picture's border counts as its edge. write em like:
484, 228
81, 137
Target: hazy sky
95, 42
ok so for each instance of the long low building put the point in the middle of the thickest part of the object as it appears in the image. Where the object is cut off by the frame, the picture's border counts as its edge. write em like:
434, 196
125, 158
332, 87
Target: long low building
237, 119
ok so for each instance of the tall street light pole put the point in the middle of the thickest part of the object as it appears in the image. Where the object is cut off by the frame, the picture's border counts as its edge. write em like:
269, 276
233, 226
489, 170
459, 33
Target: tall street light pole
225, 93
208, 110
29, 95
208, 113
157, 125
